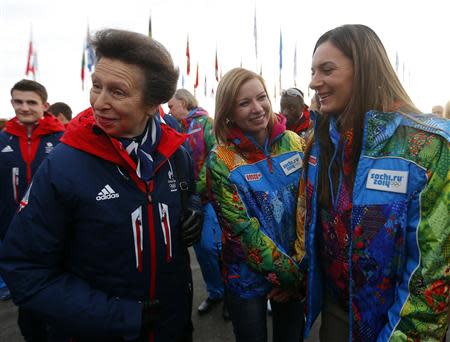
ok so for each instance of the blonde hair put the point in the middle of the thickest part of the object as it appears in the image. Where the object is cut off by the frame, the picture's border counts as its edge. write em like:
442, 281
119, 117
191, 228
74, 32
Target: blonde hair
187, 97
227, 93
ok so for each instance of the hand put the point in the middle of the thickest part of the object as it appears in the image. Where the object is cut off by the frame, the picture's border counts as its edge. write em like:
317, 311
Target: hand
281, 296
191, 227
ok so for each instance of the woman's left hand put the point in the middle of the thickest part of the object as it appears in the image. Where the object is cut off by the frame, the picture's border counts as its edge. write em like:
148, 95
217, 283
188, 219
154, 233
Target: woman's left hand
280, 295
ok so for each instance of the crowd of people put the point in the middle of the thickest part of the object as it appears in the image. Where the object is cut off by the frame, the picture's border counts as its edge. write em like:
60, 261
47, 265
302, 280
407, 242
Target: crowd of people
340, 208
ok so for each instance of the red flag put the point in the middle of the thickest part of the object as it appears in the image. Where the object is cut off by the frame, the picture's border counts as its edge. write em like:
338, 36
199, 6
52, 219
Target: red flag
83, 66
217, 68
196, 79
188, 58
31, 59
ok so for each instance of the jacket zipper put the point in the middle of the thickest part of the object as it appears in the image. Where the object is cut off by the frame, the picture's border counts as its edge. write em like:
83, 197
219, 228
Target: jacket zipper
28, 158
152, 242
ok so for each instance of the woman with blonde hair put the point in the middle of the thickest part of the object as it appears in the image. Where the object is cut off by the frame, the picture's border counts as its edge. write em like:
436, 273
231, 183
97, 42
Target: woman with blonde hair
253, 176
377, 175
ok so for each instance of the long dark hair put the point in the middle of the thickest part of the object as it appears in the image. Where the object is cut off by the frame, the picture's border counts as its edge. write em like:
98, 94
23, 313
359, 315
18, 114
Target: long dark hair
375, 87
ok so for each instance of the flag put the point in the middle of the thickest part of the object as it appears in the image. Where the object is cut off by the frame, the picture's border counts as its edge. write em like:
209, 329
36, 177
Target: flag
396, 62
217, 67
31, 59
281, 57
196, 79
83, 66
150, 26
87, 59
295, 66
188, 58
403, 74
255, 35
90, 52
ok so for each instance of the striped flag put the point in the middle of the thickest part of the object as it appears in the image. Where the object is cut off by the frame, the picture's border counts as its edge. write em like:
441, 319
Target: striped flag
87, 59
83, 67
150, 26
396, 62
216, 66
90, 52
196, 81
188, 58
31, 59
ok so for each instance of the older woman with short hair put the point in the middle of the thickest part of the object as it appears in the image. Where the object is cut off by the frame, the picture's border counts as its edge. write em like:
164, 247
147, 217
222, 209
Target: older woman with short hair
97, 247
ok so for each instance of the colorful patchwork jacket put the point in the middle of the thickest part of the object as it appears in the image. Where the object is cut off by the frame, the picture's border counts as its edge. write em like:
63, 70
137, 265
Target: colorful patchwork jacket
201, 139
399, 254
254, 193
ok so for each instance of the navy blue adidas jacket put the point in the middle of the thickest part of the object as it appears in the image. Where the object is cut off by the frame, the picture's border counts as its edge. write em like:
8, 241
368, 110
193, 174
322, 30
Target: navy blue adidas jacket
20, 156
92, 241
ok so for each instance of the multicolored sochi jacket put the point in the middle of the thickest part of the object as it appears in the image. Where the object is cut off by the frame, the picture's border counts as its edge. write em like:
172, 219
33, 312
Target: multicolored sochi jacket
399, 252
198, 125
21, 153
254, 193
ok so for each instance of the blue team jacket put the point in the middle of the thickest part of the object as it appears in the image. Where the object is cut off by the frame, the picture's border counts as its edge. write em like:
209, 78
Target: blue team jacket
20, 156
92, 241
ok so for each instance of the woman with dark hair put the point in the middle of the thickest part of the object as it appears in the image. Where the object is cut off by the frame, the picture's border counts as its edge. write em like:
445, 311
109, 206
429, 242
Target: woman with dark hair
377, 180
252, 176
98, 247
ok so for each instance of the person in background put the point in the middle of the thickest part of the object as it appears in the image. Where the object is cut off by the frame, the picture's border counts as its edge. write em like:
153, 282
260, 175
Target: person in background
2, 124
447, 110
252, 177
196, 122
99, 245
438, 110
293, 107
62, 111
27, 140
377, 199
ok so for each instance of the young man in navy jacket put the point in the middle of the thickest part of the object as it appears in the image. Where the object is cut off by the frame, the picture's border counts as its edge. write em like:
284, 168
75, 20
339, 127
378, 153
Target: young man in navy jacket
27, 140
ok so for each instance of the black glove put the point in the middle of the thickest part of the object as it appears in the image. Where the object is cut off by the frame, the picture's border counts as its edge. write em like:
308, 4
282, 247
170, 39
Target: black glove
191, 227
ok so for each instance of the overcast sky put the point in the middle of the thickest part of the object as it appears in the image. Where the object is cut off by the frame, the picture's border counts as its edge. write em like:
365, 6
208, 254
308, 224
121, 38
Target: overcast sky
418, 31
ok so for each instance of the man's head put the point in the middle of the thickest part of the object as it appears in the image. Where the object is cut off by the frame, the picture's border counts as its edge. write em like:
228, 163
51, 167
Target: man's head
29, 100
292, 104
439, 110
62, 111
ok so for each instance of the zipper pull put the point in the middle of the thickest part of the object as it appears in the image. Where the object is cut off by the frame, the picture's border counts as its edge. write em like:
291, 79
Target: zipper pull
269, 161
149, 195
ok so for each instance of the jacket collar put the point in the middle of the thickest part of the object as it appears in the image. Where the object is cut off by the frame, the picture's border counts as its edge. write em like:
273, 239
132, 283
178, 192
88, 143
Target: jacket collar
246, 144
83, 134
46, 125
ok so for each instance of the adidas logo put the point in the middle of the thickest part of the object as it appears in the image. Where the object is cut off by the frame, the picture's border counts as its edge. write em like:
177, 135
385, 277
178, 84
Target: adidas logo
7, 148
106, 193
